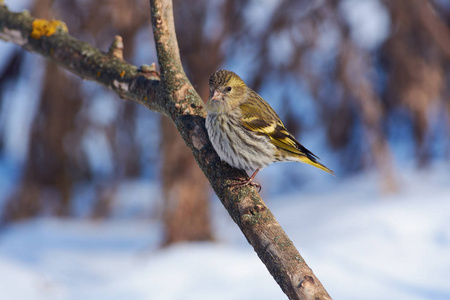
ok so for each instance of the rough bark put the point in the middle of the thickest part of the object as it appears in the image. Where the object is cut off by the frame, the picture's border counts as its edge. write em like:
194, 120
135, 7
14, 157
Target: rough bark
175, 97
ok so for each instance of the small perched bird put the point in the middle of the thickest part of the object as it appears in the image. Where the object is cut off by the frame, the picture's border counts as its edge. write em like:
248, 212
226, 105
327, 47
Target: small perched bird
245, 131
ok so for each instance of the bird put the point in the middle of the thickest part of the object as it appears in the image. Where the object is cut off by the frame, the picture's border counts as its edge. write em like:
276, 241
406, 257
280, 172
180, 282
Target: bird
245, 130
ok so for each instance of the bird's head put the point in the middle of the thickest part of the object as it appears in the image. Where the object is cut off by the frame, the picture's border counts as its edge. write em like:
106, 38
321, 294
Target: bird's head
226, 92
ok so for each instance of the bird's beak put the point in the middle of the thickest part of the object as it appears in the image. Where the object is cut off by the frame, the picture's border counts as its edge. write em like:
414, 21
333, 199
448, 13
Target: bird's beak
217, 95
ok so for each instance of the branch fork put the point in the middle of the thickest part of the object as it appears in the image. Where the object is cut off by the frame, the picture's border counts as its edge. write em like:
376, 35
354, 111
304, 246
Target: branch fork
171, 94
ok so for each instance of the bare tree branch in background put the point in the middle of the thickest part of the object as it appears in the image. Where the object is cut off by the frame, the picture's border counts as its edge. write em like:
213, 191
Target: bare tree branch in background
416, 65
174, 96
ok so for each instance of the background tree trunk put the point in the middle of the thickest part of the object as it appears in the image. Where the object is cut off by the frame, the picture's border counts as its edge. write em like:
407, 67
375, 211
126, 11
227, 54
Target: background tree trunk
48, 176
47, 181
57, 162
185, 188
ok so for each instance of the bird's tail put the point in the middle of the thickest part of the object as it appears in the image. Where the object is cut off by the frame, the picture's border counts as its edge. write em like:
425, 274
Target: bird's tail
310, 160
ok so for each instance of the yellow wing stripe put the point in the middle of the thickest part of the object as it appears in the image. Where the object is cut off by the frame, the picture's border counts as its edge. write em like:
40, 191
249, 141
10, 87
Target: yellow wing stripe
278, 135
285, 143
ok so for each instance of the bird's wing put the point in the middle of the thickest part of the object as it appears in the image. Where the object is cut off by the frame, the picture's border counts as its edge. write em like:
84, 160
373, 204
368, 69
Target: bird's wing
259, 117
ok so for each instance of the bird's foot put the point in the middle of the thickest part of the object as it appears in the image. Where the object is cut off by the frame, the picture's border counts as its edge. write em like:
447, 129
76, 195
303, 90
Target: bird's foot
249, 182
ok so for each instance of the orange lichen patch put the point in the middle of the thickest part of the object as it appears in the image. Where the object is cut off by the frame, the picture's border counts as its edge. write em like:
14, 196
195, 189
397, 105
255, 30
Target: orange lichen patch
122, 74
43, 27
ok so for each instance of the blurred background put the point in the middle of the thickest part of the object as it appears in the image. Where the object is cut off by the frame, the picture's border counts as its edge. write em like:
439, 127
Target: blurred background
92, 187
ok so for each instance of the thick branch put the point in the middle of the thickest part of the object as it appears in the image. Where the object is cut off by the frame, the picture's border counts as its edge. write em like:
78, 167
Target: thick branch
175, 97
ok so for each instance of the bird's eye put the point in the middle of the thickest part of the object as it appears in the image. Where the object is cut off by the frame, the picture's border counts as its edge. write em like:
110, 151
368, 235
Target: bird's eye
228, 89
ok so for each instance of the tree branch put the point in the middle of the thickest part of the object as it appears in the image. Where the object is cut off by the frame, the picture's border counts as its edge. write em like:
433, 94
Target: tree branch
51, 39
173, 95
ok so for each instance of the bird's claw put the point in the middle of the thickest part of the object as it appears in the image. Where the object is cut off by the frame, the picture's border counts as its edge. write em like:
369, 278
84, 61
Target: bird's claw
256, 185
249, 182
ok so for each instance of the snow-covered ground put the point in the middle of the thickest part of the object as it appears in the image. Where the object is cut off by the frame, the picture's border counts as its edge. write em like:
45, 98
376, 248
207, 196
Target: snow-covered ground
360, 243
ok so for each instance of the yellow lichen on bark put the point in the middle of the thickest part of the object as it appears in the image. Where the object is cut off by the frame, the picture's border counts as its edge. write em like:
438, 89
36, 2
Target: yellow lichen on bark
43, 27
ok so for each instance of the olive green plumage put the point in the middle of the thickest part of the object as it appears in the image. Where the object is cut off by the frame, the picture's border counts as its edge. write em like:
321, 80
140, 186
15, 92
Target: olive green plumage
245, 131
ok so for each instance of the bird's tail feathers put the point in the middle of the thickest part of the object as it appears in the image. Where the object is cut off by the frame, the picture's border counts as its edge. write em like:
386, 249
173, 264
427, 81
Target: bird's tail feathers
313, 162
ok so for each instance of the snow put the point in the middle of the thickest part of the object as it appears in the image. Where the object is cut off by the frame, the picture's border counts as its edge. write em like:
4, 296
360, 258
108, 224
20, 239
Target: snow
361, 244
